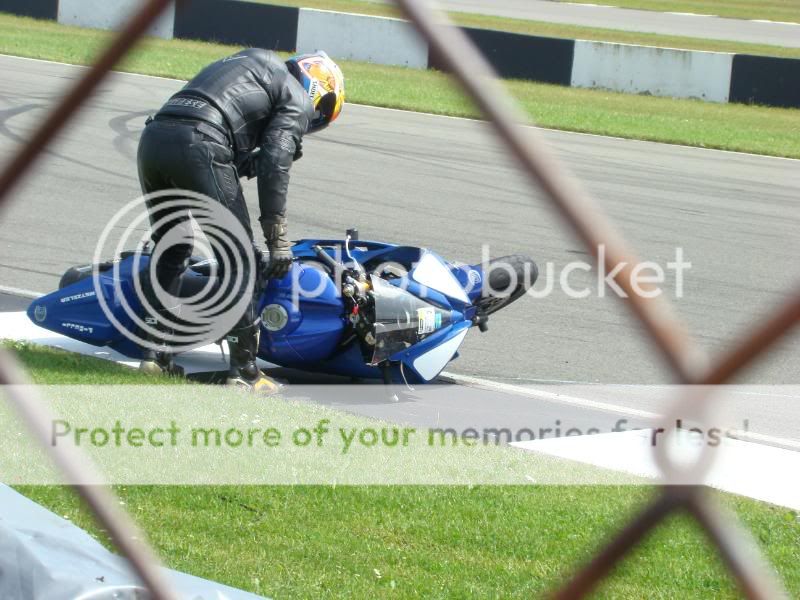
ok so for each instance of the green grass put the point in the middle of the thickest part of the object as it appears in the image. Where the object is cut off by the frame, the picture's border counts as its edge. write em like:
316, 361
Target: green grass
772, 10
563, 30
50, 366
413, 541
761, 130
432, 542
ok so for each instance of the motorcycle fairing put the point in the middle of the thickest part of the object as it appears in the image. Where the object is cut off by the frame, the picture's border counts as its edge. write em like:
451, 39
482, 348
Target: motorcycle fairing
402, 319
428, 357
432, 272
315, 318
430, 363
74, 311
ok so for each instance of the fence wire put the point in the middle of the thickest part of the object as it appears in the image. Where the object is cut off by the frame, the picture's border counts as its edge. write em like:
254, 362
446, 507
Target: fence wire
73, 462
687, 361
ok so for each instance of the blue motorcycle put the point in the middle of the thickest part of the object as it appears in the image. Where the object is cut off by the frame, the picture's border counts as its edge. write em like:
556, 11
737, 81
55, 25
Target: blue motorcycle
360, 309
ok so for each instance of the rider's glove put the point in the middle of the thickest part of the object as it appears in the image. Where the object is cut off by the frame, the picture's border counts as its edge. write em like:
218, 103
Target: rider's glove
280, 249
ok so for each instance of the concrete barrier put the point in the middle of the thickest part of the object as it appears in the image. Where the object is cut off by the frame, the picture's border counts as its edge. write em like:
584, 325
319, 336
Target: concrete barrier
766, 80
110, 14
518, 56
650, 70
37, 9
708, 76
359, 37
240, 23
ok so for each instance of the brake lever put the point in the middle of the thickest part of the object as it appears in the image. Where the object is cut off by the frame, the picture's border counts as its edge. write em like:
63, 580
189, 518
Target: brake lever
359, 268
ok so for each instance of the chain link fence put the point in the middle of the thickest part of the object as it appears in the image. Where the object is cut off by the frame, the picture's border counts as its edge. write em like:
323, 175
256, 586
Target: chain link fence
687, 361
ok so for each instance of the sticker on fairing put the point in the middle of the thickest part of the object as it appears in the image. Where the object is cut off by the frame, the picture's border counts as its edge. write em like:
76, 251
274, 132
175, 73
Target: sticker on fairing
427, 318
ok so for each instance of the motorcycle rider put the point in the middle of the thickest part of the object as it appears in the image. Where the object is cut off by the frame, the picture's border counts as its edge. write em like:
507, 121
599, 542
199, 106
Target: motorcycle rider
203, 139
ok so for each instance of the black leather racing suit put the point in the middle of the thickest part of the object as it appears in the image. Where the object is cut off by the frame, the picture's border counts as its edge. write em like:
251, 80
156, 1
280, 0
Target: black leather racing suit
202, 139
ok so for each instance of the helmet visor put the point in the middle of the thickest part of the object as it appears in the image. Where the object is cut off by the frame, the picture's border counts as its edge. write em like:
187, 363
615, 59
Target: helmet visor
324, 112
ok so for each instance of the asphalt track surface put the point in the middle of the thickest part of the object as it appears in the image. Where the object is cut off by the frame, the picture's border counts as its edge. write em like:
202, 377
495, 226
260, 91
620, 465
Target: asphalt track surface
645, 21
446, 184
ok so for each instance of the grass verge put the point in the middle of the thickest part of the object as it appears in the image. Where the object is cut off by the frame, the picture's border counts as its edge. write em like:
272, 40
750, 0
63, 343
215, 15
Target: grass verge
772, 10
760, 130
49, 366
564, 30
412, 541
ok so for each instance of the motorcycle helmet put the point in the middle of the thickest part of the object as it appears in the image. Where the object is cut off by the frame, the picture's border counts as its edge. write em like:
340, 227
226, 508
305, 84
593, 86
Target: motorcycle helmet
323, 81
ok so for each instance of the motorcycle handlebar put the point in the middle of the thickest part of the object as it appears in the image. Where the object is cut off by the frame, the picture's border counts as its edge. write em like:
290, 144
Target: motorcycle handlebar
327, 259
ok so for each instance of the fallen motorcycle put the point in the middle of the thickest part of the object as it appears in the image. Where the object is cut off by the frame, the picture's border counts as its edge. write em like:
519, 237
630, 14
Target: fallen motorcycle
360, 309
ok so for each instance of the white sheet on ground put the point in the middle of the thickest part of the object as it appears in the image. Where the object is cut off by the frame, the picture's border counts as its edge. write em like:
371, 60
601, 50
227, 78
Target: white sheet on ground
45, 557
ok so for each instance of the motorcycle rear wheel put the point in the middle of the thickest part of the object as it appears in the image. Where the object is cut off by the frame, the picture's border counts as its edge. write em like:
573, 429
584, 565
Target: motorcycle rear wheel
74, 275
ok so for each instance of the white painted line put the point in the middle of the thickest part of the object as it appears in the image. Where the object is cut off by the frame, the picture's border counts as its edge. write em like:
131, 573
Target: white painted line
495, 386
758, 438
63, 64
685, 14
753, 470
20, 292
16, 326
583, 134
773, 22
414, 112
578, 402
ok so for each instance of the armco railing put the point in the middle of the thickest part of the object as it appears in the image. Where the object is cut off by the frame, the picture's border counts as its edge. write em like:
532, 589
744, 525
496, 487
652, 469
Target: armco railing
687, 361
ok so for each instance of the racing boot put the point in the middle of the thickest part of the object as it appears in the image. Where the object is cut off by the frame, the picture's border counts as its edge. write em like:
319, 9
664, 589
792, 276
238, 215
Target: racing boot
244, 372
156, 357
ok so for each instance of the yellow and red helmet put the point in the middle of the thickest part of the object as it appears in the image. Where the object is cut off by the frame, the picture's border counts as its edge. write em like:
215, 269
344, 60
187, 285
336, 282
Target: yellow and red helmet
324, 82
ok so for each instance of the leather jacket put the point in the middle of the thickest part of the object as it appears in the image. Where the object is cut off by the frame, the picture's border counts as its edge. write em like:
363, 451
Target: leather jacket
253, 100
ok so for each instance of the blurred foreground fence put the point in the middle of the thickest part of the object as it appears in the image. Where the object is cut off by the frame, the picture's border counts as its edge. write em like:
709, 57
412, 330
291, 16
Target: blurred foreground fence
688, 362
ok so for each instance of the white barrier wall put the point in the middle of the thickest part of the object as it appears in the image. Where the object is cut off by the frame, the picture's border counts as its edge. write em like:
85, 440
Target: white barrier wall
359, 37
650, 70
110, 14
